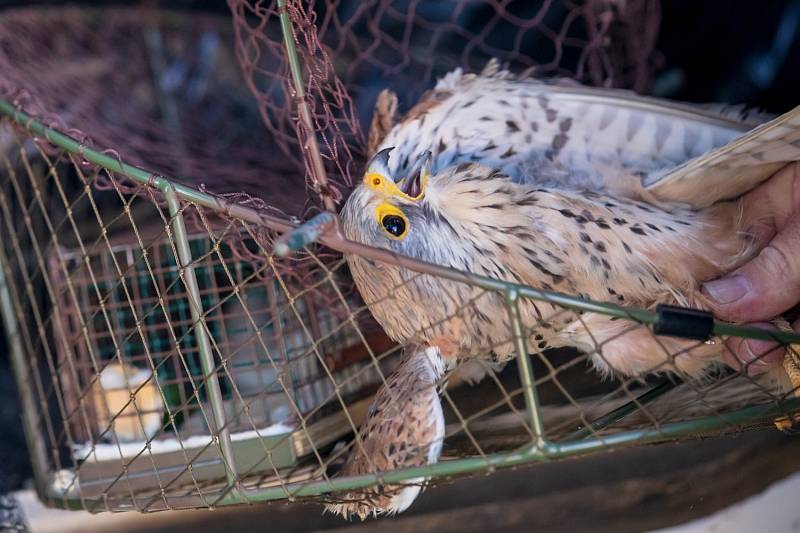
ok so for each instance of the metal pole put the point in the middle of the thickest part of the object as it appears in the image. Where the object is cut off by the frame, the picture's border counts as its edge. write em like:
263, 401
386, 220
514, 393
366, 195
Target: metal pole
529, 455
318, 173
525, 370
621, 412
33, 434
203, 344
478, 464
334, 239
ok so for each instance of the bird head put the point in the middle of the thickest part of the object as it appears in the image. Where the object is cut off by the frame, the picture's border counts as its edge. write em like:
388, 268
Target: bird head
381, 209
431, 217
411, 188
462, 217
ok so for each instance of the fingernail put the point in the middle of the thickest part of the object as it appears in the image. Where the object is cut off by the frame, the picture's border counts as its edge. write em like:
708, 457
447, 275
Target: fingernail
757, 350
727, 290
761, 232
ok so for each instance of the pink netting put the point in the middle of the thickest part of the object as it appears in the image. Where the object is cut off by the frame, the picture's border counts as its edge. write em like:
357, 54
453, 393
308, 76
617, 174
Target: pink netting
352, 50
206, 102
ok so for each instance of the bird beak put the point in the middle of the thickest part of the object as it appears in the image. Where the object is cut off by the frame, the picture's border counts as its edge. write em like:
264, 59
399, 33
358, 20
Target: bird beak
413, 187
379, 164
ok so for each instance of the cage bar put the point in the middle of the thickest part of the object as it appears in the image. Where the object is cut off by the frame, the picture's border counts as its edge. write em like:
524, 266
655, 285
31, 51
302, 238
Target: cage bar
220, 428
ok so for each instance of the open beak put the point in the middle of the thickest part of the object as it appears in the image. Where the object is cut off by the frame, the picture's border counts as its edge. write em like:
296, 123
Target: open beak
414, 185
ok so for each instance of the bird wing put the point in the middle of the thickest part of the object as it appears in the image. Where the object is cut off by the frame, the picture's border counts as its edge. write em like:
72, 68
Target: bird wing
734, 168
568, 90
552, 133
384, 117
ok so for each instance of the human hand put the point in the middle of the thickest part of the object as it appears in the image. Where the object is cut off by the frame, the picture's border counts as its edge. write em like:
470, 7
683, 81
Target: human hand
769, 284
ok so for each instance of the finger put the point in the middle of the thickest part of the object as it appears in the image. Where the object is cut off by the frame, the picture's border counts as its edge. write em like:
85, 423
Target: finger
753, 356
766, 286
772, 204
770, 209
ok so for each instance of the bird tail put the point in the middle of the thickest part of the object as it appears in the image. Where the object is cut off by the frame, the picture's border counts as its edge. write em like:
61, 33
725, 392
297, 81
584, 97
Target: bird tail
404, 428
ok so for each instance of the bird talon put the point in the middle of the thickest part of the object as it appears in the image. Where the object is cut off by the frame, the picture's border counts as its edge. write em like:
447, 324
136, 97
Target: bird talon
789, 424
375, 501
791, 361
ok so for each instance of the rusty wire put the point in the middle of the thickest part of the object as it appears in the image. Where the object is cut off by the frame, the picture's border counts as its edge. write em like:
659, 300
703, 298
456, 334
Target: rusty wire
208, 101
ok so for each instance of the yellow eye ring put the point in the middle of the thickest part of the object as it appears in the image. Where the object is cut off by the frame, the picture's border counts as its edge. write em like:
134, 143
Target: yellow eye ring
393, 221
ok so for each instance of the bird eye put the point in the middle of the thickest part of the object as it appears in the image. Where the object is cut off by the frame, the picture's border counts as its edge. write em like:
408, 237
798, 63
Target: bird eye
376, 181
394, 224
393, 221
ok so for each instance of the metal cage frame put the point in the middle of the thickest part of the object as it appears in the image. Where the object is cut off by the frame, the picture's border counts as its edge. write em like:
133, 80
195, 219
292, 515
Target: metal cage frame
581, 442
51, 486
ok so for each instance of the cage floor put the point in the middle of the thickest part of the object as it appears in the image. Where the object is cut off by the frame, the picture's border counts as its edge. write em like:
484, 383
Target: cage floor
652, 487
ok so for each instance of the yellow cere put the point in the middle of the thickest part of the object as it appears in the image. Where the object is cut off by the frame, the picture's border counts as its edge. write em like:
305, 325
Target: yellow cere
385, 210
387, 187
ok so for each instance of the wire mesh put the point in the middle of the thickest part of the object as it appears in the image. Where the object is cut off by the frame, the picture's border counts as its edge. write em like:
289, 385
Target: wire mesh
289, 393
172, 360
124, 351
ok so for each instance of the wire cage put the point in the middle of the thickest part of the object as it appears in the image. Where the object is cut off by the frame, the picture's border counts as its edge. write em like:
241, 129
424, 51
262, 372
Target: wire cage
168, 358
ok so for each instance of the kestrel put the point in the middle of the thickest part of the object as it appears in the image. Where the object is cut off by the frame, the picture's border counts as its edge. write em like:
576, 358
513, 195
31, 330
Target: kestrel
596, 193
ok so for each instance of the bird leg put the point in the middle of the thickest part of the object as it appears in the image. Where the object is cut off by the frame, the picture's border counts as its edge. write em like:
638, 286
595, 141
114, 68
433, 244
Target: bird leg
791, 361
791, 364
472, 371
620, 347
404, 428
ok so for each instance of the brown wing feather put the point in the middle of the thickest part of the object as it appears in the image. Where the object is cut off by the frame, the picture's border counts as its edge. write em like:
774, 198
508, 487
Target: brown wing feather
735, 168
384, 118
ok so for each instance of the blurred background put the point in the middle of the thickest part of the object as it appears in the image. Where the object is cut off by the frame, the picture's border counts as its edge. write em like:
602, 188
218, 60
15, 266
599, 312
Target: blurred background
733, 51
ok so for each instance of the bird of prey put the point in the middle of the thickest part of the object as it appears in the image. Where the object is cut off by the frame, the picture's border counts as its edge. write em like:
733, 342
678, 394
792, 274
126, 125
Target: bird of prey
596, 193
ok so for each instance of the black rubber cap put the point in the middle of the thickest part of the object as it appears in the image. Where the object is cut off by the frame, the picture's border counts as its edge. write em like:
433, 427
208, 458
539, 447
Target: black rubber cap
683, 322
